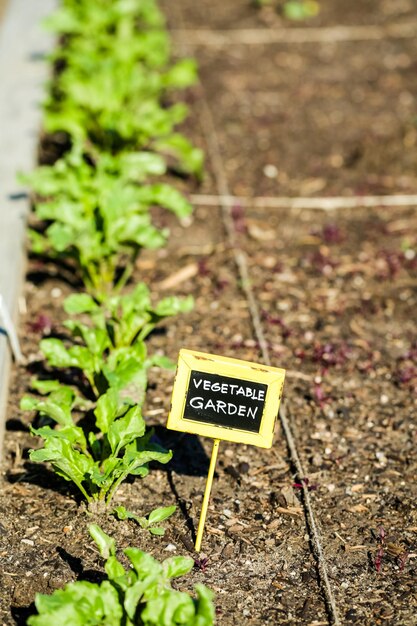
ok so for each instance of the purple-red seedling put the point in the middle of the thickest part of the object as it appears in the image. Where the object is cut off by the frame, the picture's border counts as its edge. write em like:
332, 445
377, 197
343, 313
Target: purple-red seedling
43, 324
277, 321
306, 482
238, 217
394, 550
201, 564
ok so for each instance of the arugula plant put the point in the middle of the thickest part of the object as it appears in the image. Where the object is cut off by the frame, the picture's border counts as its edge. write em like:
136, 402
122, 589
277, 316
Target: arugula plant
150, 522
110, 349
139, 596
96, 460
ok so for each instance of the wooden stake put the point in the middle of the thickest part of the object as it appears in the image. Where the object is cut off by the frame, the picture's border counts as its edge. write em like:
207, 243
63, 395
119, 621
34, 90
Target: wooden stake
206, 498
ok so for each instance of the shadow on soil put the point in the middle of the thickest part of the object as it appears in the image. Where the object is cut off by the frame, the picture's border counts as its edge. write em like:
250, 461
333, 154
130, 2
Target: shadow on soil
189, 456
21, 614
39, 475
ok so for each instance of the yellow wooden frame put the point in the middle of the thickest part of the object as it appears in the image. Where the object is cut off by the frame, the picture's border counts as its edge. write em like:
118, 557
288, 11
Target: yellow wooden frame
273, 377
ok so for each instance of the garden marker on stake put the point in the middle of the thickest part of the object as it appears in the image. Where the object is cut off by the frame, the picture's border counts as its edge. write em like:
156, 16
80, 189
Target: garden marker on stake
225, 399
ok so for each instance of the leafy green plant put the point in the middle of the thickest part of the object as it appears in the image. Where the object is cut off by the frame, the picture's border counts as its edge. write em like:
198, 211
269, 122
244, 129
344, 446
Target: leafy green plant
109, 346
111, 91
149, 523
98, 219
97, 460
129, 317
139, 596
89, 109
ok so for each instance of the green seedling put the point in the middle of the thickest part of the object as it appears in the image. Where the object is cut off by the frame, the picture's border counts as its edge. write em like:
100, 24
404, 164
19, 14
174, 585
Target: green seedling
96, 460
139, 596
149, 523
129, 317
110, 349
297, 10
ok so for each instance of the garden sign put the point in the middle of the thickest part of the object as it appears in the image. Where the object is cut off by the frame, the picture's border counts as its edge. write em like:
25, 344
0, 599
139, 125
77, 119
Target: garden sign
225, 399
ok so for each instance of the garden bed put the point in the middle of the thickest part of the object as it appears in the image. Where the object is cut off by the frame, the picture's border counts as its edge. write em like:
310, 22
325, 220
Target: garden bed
337, 295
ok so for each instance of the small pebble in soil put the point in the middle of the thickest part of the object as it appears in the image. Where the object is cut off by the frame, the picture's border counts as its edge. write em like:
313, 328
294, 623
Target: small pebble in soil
381, 458
270, 171
56, 292
384, 399
171, 547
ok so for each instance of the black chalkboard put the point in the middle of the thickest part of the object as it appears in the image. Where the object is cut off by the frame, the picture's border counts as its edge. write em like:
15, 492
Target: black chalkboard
225, 401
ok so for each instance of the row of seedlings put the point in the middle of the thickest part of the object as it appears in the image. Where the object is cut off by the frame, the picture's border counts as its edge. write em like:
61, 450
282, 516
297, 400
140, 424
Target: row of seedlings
108, 116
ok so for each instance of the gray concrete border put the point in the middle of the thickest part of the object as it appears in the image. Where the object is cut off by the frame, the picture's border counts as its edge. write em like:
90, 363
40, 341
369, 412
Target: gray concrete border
23, 73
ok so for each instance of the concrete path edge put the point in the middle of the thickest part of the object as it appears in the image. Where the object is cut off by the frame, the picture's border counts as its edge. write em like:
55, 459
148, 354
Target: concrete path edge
23, 74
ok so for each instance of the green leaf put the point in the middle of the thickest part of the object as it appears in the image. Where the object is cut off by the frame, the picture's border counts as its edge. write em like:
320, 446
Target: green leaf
168, 197
205, 615
122, 513
176, 566
176, 145
182, 74
161, 514
134, 595
105, 544
143, 563
139, 165
173, 305
106, 410
163, 361
57, 406
114, 569
80, 303
56, 353
45, 386
79, 604
157, 530
66, 461
300, 9
164, 609
126, 429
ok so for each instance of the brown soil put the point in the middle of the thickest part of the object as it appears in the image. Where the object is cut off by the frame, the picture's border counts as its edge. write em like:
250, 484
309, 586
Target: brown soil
337, 293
